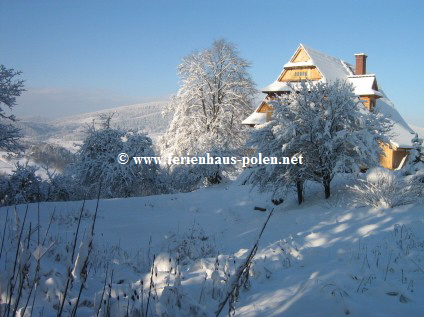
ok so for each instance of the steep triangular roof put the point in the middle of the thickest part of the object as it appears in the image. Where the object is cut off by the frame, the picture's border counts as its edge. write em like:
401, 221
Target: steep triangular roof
330, 67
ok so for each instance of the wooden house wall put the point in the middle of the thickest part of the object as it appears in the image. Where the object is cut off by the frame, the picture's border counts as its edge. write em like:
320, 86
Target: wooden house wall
301, 56
290, 74
392, 157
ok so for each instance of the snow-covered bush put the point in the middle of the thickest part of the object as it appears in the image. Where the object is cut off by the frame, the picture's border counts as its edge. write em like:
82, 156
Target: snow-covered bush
65, 187
22, 186
418, 179
191, 245
96, 165
387, 189
175, 302
416, 157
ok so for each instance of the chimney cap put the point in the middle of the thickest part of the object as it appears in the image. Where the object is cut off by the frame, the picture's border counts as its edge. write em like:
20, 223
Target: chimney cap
358, 54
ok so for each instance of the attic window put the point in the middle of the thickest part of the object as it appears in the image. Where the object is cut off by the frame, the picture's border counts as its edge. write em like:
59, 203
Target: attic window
301, 74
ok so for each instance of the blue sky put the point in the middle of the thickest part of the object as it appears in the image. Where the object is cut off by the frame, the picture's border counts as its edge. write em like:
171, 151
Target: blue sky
79, 56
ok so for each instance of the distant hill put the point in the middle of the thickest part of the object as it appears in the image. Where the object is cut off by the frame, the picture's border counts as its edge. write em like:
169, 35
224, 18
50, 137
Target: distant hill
146, 117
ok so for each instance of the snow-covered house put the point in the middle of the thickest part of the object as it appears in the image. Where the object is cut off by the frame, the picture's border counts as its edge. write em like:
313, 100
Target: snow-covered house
309, 64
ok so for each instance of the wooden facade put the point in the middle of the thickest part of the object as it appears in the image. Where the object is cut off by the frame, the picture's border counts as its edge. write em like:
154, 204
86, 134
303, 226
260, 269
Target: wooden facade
392, 156
369, 102
266, 108
301, 73
300, 56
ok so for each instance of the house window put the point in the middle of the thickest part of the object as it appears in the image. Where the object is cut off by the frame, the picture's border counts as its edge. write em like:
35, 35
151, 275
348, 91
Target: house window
301, 74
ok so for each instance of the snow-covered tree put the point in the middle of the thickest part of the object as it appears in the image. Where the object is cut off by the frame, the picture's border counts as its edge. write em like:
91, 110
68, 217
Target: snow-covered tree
326, 125
22, 186
216, 94
272, 140
96, 165
10, 88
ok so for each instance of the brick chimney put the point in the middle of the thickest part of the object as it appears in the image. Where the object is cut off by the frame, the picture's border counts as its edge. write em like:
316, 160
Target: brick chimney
361, 64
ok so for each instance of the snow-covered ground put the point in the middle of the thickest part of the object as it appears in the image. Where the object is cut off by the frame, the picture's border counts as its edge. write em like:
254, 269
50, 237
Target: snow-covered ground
324, 258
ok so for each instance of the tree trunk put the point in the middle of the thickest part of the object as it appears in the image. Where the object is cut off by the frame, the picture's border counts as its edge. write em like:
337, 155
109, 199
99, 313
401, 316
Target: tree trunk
215, 179
326, 181
299, 189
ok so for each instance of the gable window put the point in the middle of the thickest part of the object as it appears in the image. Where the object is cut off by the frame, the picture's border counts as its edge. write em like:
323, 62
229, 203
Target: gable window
301, 74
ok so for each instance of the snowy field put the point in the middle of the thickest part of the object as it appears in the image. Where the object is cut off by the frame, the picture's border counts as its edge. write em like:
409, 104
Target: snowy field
325, 258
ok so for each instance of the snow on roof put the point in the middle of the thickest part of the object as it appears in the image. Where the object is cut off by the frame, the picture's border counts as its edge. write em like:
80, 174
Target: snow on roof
255, 118
402, 133
298, 64
363, 85
331, 68
277, 86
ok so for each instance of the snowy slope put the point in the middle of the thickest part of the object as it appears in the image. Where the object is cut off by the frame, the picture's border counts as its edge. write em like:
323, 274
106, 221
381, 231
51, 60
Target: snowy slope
143, 116
326, 258
419, 130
